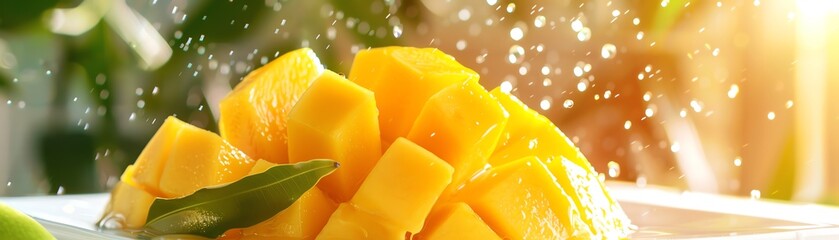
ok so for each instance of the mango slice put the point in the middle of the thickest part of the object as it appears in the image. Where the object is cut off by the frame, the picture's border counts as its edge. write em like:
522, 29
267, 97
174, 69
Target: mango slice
336, 119
460, 124
520, 200
350, 223
149, 165
528, 133
195, 158
455, 221
131, 203
254, 115
403, 78
404, 185
199, 159
600, 212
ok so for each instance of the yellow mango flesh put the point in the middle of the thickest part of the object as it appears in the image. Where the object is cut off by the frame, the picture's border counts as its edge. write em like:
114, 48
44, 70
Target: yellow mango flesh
520, 200
260, 166
131, 203
404, 185
348, 222
302, 220
200, 159
149, 165
403, 78
336, 119
455, 221
254, 115
600, 212
461, 124
528, 133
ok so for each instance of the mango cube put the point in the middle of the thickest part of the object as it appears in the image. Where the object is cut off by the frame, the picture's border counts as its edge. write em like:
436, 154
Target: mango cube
350, 223
131, 203
149, 165
254, 115
455, 221
528, 133
404, 185
336, 119
604, 216
461, 124
403, 78
198, 159
520, 200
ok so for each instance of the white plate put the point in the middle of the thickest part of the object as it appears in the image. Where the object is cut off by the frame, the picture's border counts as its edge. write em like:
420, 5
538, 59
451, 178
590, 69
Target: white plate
657, 212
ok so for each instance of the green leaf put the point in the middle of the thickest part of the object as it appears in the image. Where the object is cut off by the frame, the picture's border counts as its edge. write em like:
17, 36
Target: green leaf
210, 212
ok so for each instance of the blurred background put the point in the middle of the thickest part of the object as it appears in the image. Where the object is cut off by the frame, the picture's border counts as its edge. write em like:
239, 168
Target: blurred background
729, 97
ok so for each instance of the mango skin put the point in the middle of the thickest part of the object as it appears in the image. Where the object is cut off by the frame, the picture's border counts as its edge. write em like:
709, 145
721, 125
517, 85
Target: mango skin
254, 115
336, 119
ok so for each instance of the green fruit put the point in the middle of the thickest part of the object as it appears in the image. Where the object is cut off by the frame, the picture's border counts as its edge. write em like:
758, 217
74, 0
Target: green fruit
16, 225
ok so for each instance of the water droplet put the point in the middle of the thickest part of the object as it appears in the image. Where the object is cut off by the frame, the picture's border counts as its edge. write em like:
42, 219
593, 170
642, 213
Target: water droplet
546, 70
506, 86
568, 103
738, 161
539, 21
141, 104
461, 44
614, 169
755, 194
756, 3
641, 181
649, 112
397, 31
584, 34
608, 51
547, 82
616, 13
640, 35
511, 7
627, 125
716, 52
154, 90
578, 71
21, 104
49, 72
582, 85
771, 116
522, 70
464, 14
516, 54
132, 117
683, 113
733, 90
664, 3
675, 147
647, 96
545, 104
517, 32
636, 21
696, 105
330, 33
492, 2
789, 104
576, 25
